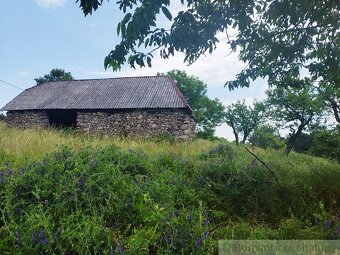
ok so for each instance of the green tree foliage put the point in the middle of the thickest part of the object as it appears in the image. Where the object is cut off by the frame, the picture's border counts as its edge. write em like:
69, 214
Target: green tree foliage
326, 143
56, 74
266, 136
296, 108
244, 119
2, 116
276, 39
303, 142
208, 112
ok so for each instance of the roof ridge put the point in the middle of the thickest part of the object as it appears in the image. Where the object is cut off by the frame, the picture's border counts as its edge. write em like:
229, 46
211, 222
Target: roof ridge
109, 78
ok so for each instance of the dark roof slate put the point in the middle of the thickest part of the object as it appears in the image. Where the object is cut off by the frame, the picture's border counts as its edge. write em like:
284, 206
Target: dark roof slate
111, 93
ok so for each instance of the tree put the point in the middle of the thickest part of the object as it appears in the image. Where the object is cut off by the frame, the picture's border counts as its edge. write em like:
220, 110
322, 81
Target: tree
244, 119
266, 136
2, 116
277, 38
56, 74
326, 143
208, 113
296, 108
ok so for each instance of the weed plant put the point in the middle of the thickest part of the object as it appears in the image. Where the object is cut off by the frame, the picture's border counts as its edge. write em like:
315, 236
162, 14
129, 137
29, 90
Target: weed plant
88, 195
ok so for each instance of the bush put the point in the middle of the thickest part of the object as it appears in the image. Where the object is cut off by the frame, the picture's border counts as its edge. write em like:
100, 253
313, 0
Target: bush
99, 202
2, 116
107, 200
266, 137
326, 143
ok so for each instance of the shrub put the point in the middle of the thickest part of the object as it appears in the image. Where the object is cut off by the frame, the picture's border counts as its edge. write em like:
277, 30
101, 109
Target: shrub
2, 116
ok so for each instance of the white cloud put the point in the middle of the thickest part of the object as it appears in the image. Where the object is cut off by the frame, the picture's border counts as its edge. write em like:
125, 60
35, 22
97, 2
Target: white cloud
51, 3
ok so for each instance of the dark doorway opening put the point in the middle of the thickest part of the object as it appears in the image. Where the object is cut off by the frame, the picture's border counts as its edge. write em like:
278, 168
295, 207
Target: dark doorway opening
63, 118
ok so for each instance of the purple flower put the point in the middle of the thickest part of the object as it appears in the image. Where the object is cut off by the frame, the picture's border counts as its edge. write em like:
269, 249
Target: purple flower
81, 183
111, 250
175, 232
18, 211
198, 243
171, 215
34, 240
206, 221
328, 224
10, 172
17, 235
190, 217
119, 248
2, 177
206, 234
182, 243
171, 242
42, 239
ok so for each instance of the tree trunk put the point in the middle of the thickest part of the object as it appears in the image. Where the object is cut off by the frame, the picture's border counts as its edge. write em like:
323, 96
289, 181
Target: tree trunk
335, 109
245, 136
293, 138
236, 136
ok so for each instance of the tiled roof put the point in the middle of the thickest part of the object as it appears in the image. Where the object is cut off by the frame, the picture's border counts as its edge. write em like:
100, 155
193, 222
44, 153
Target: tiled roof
112, 93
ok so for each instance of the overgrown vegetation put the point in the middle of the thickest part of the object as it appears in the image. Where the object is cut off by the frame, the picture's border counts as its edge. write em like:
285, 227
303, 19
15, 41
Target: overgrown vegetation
66, 193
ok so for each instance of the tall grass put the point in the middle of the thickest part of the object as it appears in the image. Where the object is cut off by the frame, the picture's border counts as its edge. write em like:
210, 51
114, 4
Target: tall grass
78, 194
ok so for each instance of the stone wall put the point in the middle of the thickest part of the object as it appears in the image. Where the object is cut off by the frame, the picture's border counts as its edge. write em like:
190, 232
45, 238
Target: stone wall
27, 119
139, 123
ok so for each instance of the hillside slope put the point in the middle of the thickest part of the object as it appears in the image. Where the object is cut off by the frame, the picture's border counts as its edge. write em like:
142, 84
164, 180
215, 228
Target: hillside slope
63, 192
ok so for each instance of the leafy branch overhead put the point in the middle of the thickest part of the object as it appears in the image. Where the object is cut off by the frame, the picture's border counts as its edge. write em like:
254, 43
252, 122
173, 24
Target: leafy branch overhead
276, 38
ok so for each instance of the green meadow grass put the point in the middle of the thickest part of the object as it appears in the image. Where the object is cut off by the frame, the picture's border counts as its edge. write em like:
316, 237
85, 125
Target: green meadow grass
62, 192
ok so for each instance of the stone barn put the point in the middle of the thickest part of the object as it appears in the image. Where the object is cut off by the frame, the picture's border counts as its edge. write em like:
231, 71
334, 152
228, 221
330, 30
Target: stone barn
135, 106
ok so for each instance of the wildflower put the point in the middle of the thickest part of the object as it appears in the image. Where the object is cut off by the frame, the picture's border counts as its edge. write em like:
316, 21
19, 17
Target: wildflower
171, 242
206, 221
43, 241
119, 248
171, 215
10, 172
34, 240
206, 234
182, 243
198, 243
190, 217
189, 234
81, 183
167, 238
2, 177
328, 224
18, 211
17, 235
111, 250
175, 232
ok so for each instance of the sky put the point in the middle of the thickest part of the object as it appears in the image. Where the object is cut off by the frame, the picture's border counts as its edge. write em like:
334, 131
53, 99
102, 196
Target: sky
39, 35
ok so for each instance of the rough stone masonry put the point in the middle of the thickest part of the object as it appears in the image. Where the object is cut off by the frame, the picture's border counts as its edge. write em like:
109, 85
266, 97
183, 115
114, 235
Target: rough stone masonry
134, 123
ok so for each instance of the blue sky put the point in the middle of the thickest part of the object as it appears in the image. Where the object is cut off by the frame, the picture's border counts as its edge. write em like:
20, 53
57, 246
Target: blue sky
39, 35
